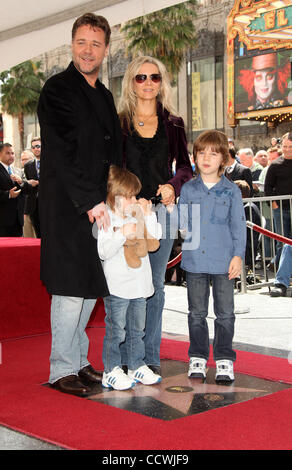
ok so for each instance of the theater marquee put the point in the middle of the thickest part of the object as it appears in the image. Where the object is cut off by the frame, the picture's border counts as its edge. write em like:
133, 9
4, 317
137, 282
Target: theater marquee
259, 60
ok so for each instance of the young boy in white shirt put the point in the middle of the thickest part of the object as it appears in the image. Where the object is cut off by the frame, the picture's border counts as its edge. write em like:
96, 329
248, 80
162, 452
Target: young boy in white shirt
129, 287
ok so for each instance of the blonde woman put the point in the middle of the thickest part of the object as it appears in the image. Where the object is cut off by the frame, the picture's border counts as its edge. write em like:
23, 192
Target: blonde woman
154, 138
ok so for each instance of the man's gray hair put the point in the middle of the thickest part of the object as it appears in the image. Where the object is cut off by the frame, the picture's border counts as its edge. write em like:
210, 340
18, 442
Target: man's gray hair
247, 151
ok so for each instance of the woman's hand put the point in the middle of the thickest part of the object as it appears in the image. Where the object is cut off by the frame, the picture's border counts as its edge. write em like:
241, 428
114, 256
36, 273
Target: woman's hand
167, 194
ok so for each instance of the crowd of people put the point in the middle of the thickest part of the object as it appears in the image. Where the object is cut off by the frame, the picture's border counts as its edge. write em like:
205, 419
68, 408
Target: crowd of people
115, 169
268, 173
264, 173
19, 213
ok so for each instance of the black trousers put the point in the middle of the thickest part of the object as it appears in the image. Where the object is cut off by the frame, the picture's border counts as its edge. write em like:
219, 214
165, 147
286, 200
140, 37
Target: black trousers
35, 219
15, 230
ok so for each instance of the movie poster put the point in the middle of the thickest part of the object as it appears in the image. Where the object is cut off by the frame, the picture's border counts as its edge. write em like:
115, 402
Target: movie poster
262, 81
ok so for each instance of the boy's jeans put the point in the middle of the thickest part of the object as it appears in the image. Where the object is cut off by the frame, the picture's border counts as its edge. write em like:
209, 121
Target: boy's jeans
198, 287
69, 318
124, 315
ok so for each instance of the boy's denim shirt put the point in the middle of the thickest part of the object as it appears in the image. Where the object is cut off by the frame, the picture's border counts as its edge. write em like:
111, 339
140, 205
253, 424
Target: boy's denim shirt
215, 226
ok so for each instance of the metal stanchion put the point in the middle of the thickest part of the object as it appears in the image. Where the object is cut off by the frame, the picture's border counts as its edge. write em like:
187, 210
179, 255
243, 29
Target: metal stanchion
243, 290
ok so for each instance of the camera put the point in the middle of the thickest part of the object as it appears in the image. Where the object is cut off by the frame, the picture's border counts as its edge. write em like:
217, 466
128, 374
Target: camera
156, 200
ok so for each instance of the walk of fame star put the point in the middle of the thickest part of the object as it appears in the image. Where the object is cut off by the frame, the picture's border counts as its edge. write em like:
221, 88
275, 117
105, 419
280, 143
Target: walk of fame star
178, 396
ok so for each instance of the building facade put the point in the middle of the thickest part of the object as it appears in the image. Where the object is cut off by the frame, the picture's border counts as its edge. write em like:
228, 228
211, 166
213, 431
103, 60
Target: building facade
200, 91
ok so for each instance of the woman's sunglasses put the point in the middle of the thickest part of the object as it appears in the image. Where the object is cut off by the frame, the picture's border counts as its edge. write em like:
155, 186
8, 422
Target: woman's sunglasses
142, 77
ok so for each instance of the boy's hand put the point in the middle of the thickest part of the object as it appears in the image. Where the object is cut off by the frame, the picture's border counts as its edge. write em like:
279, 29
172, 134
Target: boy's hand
235, 267
146, 206
129, 230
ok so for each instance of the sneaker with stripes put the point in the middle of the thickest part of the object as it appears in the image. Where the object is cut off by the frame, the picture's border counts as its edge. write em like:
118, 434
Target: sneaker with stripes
117, 379
144, 375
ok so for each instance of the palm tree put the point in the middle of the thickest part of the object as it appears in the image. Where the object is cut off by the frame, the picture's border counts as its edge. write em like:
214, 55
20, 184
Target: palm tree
20, 90
165, 34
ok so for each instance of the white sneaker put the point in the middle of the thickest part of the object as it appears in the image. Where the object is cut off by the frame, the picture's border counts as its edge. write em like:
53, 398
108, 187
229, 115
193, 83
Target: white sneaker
224, 371
117, 379
197, 368
144, 375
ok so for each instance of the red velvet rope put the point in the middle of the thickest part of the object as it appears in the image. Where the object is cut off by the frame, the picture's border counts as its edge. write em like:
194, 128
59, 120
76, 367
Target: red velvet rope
174, 261
264, 231
251, 225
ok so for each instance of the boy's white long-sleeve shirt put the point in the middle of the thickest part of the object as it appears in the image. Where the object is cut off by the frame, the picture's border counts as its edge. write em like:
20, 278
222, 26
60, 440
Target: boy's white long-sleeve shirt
123, 281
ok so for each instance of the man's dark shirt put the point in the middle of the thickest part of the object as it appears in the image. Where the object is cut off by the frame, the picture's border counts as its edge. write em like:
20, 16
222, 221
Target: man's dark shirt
278, 180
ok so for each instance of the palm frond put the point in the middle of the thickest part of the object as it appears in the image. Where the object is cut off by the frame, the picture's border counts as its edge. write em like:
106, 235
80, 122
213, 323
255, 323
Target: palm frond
21, 87
166, 34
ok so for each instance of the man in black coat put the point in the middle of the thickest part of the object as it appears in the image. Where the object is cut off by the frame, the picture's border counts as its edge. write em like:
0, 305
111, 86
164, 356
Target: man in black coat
12, 193
235, 171
32, 171
278, 182
81, 138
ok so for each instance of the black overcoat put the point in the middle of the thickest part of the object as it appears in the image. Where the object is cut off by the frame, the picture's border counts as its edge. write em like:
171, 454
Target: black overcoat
30, 172
11, 209
81, 138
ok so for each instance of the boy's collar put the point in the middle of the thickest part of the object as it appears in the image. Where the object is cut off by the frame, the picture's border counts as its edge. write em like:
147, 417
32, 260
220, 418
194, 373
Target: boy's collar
206, 189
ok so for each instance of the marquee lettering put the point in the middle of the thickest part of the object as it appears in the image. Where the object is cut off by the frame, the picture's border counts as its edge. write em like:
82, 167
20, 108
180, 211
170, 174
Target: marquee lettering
282, 20
270, 20
273, 19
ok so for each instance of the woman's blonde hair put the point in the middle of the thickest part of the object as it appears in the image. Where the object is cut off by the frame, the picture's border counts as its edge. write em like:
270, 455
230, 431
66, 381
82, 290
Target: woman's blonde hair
128, 101
121, 182
218, 142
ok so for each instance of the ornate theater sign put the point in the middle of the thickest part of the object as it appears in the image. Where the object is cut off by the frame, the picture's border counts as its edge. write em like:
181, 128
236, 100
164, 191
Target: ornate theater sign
259, 52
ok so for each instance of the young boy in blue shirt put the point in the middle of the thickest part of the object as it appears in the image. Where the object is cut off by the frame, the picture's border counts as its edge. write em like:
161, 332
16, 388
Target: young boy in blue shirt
212, 222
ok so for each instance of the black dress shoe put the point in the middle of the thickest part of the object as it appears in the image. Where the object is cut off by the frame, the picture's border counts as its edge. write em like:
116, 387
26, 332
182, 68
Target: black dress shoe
90, 375
279, 290
72, 385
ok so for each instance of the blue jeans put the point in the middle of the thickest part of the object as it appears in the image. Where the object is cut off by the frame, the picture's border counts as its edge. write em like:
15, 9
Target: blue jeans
198, 288
278, 229
122, 315
155, 304
69, 318
285, 267
267, 240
